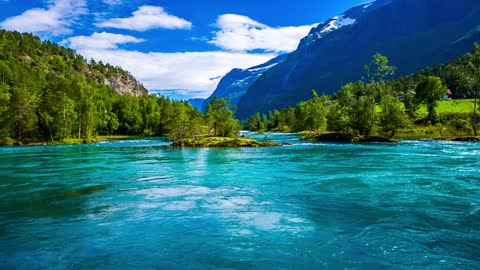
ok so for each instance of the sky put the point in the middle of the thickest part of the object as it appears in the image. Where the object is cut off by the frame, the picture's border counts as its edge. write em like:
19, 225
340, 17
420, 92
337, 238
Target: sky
179, 48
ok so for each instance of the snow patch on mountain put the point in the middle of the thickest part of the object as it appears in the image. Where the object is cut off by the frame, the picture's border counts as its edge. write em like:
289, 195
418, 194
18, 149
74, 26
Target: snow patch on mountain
366, 5
262, 69
336, 23
241, 82
331, 25
348, 18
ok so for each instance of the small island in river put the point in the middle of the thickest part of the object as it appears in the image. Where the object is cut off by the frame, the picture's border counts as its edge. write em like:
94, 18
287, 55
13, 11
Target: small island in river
222, 142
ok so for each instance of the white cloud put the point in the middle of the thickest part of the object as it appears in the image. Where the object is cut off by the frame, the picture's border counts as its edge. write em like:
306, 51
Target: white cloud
240, 33
113, 2
99, 41
181, 94
146, 18
54, 20
187, 72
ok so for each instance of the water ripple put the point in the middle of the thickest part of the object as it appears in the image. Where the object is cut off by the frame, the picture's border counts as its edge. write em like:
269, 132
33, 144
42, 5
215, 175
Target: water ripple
140, 204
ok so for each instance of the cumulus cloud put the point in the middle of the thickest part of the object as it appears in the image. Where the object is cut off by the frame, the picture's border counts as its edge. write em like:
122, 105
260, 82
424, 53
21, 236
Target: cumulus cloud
186, 71
99, 41
147, 18
54, 20
240, 33
197, 73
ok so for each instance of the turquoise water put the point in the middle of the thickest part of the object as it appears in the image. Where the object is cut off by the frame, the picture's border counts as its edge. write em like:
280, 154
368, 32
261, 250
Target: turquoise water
143, 205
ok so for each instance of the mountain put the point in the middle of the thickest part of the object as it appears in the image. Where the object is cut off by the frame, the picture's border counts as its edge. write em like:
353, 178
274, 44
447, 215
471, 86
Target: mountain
29, 54
196, 103
413, 34
233, 85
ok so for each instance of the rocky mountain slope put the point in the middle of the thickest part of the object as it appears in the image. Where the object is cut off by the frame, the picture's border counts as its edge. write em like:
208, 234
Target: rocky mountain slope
26, 53
125, 84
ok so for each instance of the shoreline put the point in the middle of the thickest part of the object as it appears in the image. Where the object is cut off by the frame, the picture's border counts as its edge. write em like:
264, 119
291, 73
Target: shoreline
242, 142
69, 141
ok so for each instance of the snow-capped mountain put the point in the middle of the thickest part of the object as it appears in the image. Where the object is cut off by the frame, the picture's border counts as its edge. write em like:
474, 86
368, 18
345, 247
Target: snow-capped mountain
233, 85
347, 18
413, 34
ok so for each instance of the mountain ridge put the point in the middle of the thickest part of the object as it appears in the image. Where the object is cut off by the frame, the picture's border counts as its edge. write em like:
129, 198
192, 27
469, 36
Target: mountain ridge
236, 82
413, 33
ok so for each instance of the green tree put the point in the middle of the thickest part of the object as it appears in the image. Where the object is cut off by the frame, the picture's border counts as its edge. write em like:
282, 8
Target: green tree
312, 114
6, 75
196, 123
180, 121
151, 115
354, 110
22, 113
4, 107
129, 115
317, 110
277, 121
411, 103
85, 107
429, 92
220, 118
289, 119
254, 122
338, 118
378, 69
392, 116
363, 115
473, 77
57, 111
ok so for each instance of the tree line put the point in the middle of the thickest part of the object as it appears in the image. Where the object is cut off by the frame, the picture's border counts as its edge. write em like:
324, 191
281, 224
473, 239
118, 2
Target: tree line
378, 103
50, 93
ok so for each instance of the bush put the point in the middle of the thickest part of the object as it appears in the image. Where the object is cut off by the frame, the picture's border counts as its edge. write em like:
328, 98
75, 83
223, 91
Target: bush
6, 141
148, 132
456, 123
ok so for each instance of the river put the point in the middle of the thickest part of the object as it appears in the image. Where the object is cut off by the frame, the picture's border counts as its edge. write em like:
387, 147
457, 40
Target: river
140, 204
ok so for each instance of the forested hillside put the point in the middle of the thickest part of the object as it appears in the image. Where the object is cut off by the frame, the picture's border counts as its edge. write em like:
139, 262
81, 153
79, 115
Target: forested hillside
379, 104
50, 93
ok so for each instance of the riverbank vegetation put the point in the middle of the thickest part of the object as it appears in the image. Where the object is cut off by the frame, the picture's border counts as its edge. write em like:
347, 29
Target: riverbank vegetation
50, 94
407, 107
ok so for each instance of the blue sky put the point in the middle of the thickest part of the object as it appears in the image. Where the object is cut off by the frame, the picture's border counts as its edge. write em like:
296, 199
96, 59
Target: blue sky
180, 47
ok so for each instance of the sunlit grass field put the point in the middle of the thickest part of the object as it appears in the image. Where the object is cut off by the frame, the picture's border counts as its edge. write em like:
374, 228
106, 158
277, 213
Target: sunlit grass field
450, 106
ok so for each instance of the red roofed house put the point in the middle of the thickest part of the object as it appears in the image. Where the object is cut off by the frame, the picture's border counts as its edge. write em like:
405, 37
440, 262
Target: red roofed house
448, 96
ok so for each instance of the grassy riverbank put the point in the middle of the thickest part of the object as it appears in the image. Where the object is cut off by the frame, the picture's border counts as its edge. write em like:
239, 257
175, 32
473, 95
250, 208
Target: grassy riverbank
67, 141
345, 138
455, 125
416, 133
